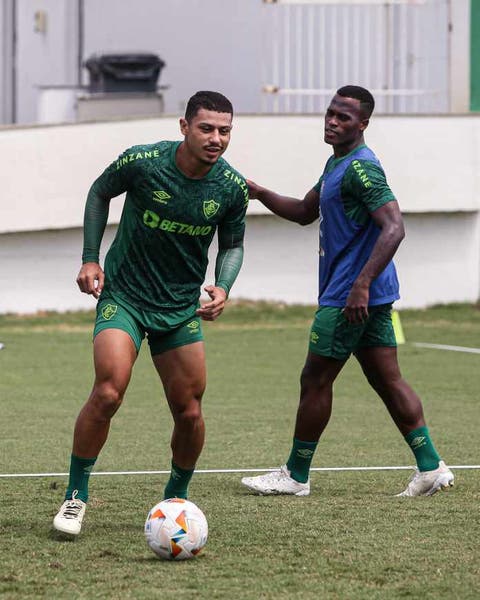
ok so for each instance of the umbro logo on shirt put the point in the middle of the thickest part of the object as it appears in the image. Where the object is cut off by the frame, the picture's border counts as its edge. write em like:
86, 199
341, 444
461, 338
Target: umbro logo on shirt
161, 196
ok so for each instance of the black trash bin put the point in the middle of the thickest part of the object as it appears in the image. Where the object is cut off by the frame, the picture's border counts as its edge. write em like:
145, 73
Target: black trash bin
124, 72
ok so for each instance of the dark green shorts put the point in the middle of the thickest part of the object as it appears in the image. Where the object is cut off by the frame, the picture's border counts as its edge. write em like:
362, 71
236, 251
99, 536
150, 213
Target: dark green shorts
164, 331
333, 336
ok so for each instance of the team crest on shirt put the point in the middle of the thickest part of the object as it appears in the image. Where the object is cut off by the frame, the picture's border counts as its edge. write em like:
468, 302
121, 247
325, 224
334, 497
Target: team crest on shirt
109, 311
210, 208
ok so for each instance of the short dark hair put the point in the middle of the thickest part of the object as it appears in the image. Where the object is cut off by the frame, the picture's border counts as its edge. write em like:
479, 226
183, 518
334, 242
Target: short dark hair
209, 101
367, 102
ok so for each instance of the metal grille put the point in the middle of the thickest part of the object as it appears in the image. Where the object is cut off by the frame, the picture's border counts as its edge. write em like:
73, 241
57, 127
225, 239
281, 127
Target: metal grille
398, 49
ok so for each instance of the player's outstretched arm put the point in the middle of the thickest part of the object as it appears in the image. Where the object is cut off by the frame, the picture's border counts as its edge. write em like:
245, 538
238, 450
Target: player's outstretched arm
299, 211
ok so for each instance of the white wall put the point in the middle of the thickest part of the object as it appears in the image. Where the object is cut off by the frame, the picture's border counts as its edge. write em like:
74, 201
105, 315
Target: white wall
433, 165
437, 263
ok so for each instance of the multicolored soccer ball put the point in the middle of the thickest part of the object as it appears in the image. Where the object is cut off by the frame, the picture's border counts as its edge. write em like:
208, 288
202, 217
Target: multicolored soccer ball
176, 529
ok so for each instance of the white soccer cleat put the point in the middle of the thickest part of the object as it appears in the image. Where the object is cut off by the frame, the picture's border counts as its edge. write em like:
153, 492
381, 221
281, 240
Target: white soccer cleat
276, 482
70, 516
427, 483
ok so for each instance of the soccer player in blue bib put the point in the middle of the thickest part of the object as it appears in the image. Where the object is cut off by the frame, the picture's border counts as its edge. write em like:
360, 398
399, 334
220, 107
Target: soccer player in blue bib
361, 228
179, 194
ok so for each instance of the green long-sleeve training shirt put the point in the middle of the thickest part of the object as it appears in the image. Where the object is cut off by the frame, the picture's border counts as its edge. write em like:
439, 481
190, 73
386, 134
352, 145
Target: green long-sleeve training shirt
159, 256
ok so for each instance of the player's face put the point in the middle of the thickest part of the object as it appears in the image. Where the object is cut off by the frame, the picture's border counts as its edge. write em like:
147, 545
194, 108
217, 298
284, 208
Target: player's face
344, 122
207, 135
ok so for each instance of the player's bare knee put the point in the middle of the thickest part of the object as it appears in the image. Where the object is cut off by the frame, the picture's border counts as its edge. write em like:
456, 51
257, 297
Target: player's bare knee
384, 386
313, 382
188, 416
106, 398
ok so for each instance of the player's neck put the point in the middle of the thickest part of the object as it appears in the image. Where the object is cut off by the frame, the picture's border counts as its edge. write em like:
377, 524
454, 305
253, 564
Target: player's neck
344, 149
189, 165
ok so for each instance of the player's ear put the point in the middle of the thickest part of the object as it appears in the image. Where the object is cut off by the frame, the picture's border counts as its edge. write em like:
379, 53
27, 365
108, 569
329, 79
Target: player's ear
364, 124
184, 126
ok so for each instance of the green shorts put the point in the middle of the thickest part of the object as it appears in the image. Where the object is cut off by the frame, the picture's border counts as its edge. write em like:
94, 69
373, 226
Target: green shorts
164, 330
333, 336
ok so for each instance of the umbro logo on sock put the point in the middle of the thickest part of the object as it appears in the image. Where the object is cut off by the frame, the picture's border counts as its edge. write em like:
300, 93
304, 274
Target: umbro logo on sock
304, 452
418, 442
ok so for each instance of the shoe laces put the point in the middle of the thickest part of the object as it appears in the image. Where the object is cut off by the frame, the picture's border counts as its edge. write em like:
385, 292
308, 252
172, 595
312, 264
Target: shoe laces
72, 508
277, 475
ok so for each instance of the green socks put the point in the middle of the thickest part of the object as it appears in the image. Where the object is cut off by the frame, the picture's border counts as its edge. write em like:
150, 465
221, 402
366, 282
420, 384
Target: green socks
178, 483
422, 447
80, 469
300, 459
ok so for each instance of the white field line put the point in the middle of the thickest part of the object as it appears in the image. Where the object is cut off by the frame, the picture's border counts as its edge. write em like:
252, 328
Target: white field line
207, 471
444, 347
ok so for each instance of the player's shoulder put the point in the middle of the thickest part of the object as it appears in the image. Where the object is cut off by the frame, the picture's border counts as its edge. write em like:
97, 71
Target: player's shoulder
229, 173
365, 170
137, 155
364, 156
364, 159
232, 179
155, 147
224, 165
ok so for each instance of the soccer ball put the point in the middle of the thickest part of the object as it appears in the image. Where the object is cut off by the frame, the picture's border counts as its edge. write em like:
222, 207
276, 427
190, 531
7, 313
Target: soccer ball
176, 529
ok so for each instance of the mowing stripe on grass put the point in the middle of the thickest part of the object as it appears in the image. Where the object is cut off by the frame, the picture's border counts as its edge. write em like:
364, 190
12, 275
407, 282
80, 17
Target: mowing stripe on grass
444, 347
207, 471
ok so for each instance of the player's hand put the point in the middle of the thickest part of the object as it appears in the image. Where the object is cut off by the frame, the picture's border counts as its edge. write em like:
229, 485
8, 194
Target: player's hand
253, 189
213, 309
356, 307
91, 278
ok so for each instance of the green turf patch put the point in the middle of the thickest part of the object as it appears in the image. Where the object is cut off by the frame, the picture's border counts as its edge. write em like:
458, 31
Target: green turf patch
350, 539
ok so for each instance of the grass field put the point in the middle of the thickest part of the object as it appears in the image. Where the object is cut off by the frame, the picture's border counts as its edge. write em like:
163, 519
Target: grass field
350, 539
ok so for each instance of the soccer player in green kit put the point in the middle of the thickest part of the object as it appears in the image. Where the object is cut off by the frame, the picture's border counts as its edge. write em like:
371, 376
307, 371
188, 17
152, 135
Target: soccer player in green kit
361, 228
178, 195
